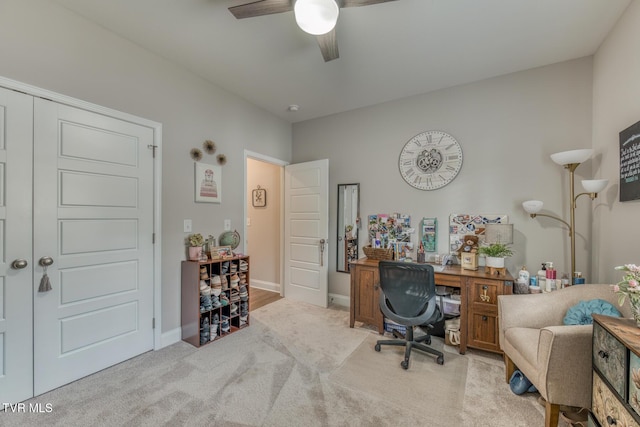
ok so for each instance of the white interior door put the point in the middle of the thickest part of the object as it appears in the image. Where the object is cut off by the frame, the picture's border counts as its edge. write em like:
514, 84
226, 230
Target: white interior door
16, 311
93, 216
306, 232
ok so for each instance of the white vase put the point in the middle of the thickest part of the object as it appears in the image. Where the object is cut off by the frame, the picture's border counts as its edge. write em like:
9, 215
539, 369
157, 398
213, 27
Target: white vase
495, 262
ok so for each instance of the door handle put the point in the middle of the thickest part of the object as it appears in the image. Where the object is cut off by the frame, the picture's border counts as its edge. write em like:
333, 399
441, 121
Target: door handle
19, 264
45, 283
322, 242
45, 261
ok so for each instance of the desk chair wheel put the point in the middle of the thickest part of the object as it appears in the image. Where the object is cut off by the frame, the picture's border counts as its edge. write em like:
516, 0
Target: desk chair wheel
439, 360
377, 347
404, 364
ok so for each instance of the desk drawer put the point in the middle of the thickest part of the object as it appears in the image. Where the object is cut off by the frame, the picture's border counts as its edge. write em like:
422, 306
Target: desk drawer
484, 291
447, 280
609, 357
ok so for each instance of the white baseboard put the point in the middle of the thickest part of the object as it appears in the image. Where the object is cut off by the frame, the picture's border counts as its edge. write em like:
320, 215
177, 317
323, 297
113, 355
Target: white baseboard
267, 286
170, 337
341, 300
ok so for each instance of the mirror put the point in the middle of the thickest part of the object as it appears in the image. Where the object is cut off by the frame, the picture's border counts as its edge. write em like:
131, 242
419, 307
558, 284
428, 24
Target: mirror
348, 225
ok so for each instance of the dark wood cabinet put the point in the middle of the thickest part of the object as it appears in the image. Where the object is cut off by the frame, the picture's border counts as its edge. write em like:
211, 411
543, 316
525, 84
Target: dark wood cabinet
478, 309
365, 295
615, 397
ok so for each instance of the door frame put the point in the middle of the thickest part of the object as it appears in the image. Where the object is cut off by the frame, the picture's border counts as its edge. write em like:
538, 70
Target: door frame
157, 180
282, 163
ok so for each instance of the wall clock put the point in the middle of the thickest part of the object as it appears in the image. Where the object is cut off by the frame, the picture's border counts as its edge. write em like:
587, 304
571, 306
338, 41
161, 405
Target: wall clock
430, 160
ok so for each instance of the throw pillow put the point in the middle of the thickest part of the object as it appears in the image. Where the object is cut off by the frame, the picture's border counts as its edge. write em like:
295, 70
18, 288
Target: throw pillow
580, 314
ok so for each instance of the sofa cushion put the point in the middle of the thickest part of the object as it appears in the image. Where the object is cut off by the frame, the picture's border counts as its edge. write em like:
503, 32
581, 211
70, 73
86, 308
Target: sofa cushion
580, 314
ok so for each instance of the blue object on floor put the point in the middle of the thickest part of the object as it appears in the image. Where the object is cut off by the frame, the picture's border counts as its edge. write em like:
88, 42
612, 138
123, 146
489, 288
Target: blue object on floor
520, 384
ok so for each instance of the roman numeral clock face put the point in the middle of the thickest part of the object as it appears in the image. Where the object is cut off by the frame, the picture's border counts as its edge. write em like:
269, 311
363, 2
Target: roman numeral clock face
430, 160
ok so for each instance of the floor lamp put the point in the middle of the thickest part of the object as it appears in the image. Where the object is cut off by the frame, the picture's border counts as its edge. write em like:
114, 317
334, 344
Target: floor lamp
570, 160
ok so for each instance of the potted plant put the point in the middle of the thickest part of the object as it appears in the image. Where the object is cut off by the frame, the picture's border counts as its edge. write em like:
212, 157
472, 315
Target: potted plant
349, 231
196, 241
495, 254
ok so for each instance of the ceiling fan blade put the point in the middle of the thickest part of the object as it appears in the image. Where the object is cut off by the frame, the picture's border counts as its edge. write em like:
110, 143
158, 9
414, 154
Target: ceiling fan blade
261, 7
328, 45
356, 3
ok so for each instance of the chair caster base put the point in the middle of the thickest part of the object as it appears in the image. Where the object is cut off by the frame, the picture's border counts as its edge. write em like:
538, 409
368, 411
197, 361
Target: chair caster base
404, 364
377, 347
440, 360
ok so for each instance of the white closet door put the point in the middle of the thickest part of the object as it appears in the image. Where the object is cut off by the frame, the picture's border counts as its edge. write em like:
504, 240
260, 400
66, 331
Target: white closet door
16, 350
93, 215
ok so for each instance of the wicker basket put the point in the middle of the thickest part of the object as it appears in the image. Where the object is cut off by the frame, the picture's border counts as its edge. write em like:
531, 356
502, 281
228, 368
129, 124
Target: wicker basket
378, 253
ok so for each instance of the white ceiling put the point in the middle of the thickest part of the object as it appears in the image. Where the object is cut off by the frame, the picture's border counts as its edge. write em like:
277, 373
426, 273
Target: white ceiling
388, 51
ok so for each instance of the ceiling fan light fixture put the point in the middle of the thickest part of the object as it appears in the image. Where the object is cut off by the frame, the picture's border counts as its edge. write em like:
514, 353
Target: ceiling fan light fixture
316, 17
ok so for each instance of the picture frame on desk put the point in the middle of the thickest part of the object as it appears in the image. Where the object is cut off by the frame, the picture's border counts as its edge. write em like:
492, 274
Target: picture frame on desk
469, 260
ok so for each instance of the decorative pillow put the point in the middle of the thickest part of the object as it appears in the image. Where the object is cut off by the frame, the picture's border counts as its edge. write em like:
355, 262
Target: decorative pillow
580, 314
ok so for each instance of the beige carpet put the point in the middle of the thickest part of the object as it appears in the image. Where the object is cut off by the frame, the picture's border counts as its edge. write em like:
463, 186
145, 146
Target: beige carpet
296, 365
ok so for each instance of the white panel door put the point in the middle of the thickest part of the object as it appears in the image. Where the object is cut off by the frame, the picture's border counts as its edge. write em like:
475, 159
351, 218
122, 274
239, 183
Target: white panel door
16, 311
306, 232
93, 216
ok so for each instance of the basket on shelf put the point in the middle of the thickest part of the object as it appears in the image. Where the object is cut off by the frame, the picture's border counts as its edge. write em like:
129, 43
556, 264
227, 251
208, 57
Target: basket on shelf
378, 253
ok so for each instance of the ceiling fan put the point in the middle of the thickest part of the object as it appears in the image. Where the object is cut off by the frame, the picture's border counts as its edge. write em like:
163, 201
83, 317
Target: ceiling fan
316, 17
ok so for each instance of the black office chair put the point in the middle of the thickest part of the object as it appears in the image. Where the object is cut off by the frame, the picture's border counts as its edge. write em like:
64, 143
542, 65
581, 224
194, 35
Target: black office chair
408, 297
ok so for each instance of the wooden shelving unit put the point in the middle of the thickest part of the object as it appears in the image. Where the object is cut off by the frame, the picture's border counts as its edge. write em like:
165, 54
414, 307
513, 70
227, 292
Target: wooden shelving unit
193, 315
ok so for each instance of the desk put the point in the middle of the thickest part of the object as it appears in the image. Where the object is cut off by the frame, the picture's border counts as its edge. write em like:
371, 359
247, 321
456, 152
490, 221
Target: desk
478, 293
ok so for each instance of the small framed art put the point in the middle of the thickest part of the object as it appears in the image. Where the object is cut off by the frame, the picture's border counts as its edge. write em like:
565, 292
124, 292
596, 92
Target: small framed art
259, 197
221, 252
630, 163
208, 183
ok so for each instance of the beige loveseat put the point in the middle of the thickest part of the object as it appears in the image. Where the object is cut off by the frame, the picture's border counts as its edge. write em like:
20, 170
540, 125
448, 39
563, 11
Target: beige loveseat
555, 357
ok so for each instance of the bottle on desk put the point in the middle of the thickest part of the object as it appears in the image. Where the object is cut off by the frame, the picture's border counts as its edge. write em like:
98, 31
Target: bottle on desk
551, 277
542, 277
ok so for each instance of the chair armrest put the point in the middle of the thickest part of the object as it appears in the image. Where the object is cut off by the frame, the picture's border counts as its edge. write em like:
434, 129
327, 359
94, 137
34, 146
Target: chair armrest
564, 363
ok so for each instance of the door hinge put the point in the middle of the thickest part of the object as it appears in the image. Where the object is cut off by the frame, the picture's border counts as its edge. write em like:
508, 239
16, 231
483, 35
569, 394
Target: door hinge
153, 238
153, 323
153, 147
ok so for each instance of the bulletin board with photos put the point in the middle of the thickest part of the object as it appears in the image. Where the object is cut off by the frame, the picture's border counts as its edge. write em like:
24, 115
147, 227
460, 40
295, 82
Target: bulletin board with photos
391, 231
464, 224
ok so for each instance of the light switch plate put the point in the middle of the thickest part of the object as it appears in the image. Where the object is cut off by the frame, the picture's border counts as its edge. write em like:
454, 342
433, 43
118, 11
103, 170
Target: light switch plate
227, 225
187, 226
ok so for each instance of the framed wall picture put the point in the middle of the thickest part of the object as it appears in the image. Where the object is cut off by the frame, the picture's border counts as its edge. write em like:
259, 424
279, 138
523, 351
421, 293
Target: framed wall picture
259, 197
208, 183
630, 163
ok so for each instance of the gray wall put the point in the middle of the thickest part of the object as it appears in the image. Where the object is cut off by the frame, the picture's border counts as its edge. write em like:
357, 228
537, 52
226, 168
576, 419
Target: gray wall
616, 106
507, 127
46, 46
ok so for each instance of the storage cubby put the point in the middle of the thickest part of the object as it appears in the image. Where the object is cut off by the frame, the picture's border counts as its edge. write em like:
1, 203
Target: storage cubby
215, 299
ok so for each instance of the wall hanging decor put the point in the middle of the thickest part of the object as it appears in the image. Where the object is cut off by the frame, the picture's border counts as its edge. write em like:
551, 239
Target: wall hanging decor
208, 183
196, 154
259, 197
630, 163
209, 146
391, 232
464, 224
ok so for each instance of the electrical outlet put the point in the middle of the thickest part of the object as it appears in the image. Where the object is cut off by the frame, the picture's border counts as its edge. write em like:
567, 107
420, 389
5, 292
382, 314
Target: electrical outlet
227, 225
187, 226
